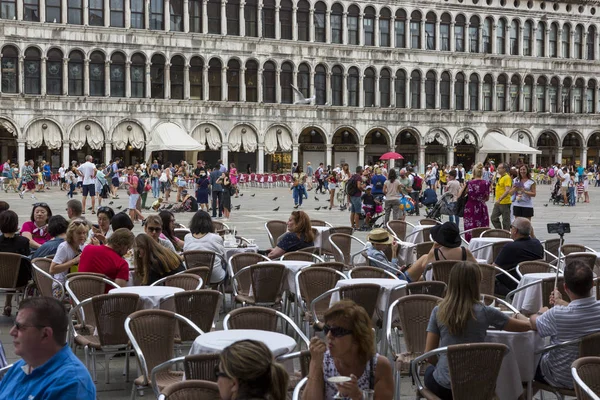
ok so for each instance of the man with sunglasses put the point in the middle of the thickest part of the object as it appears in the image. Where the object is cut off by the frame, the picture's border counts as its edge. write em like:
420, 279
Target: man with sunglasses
48, 369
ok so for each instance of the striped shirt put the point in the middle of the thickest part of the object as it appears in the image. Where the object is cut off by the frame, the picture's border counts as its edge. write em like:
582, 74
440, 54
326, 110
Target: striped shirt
562, 323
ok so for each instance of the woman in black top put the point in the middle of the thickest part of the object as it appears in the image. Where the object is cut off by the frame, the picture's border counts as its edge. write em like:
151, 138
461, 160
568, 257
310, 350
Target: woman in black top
10, 242
153, 261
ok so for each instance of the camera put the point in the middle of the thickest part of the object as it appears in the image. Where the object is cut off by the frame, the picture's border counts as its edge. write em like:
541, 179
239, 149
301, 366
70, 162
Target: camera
559, 227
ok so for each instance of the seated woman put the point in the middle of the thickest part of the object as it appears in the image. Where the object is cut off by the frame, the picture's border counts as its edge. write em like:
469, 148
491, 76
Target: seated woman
298, 236
153, 261
349, 351
247, 371
11, 242
153, 228
36, 229
67, 255
446, 246
202, 236
461, 318
121, 220
168, 231
103, 230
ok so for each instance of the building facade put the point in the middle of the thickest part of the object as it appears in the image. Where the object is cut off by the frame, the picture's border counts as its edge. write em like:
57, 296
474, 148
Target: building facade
428, 79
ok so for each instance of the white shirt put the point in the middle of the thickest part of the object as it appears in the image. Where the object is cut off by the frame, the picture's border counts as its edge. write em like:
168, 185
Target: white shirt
88, 169
61, 172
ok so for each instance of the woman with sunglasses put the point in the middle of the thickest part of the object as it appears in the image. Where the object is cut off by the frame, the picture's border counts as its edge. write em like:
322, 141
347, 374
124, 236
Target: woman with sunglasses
153, 228
11, 242
153, 261
349, 351
248, 371
67, 255
103, 230
168, 229
36, 229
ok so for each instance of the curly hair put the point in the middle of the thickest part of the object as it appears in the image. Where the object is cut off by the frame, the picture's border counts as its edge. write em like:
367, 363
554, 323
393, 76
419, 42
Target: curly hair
356, 319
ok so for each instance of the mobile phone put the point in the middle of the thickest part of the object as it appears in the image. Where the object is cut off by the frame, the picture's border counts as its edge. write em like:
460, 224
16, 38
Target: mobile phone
559, 227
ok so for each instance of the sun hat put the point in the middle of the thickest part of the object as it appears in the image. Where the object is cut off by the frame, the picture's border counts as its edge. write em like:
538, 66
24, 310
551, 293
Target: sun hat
446, 234
369, 187
380, 236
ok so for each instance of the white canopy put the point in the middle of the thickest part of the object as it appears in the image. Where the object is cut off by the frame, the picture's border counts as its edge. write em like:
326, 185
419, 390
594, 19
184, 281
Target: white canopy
278, 137
495, 142
128, 133
168, 136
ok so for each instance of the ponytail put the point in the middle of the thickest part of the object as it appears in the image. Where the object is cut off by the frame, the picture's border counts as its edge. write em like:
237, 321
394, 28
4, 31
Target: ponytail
279, 381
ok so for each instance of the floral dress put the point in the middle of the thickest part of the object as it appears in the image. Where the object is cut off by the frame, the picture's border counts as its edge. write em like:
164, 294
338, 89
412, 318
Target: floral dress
476, 211
330, 370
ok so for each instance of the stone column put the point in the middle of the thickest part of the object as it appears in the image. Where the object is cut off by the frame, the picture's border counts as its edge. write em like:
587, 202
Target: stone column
451, 38
21, 75
186, 82
584, 151
407, 34
438, 39
278, 86
376, 99
242, 83
86, 12
361, 29
311, 84
295, 24
361, 154
438, 93
407, 96
148, 82
559, 151
42, 10
65, 153
493, 39
259, 86
450, 155
225, 153
452, 97
107, 151
167, 78
493, 94
295, 153
596, 37
421, 160
146, 14
43, 77
63, 13
376, 32
277, 23
327, 26
259, 21
328, 91
521, 97
360, 93
480, 38
128, 79
520, 40
393, 91
534, 97
391, 162
422, 96
345, 28
329, 154
106, 13
572, 43
345, 91
224, 93
423, 40
392, 32
186, 16
205, 82
546, 98
583, 49
86, 77
261, 159
204, 16
107, 78
311, 25
65, 76
224, 18
128, 14
242, 20
21, 151
480, 96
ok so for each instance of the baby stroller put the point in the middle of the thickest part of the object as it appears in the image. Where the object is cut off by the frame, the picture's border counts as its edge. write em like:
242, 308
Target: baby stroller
556, 196
441, 207
375, 214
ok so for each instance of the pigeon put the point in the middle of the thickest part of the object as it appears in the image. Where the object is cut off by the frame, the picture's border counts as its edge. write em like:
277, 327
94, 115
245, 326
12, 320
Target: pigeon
252, 195
274, 198
169, 206
241, 194
111, 203
545, 205
316, 198
300, 96
237, 207
89, 208
318, 208
277, 209
118, 208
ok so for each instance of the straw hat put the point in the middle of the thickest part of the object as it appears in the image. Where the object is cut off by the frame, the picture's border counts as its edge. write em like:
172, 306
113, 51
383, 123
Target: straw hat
380, 236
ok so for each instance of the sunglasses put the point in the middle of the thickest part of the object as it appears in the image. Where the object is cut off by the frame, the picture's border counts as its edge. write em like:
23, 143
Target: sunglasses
40, 205
21, 327
104, 209
336, 331
219, 374
154, 228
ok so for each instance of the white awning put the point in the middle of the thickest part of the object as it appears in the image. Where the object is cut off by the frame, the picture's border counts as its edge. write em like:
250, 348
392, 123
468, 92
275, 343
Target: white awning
243, 137
495, 142
168, 136
87, 131
207, 135
278, 137
43, 132
130, 133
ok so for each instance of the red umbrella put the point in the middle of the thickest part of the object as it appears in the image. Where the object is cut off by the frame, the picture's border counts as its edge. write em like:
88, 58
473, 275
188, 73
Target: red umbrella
391, 156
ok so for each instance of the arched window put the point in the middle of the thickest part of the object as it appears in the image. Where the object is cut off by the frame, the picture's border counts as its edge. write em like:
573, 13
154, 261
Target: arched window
117, 13
459, 91
54, 11
214, 80
157, 14
553, 40
213, 9
176, 75
578, 42
268, 82
415, 90
400, 28
353, 13
197, 78
54, 72
251, 81
553, 94
591, 96
488, 82
117, 75
527, 94
96, 12
176, 14
540, 94
268, 19
384, 27
320, 85
415, 30
527, 33
353, 87
384, 88
515, 83
303, 21
430, 92
578, 96
474, 92
369, 87
138, 75
400, 89
8, 10
285, 19
430, 20
566, 96
514, 37
138, 8
540, 38
75, 73
445, 32
459, 33
337, 86
33, 75
487, 35
369, 26
157, 77
474, 34
565, 45
337, 23
97, 74
74, 12
319, 22
251, 18
304, 80
233, 80
232, 11
501, 93
445, 91
286, 80
591, 40
500, 32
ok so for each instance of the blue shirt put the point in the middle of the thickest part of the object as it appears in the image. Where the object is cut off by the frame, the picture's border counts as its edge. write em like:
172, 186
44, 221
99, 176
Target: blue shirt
48, 248
214, 176
377, 182
291, 242
47, 171
62, 377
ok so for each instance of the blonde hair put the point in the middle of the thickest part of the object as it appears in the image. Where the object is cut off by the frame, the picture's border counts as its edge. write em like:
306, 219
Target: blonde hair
478, 170
456, 309
156, 258
356, 319
74, 227
258, 375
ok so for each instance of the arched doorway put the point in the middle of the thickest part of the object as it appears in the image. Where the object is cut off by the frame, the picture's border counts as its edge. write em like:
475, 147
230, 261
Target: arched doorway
593, 154
517, 159
312, 147
435, 150
278, 149
465, 143
547, 143
376, 144
571, 144
407, 144
44, 140
87, 138
128, 143
345, 148
208, 135
243, 142
8, 142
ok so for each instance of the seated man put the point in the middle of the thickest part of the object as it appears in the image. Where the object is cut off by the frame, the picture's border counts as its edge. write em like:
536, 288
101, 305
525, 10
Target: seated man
566, 322
74, 209
523, 248
57, 228
383, 251
48, 368
108, 259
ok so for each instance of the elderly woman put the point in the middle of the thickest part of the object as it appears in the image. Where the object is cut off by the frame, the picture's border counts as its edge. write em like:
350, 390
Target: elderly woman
153, 228
153, 261
298, 236
11, 242
36, 229
349, 351
202, 236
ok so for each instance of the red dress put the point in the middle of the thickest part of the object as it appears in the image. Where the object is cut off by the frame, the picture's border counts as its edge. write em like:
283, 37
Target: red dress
476, 211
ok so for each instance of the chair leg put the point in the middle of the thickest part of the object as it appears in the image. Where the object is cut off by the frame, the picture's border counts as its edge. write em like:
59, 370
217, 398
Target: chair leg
397, 392
127, 354
106, 361
133, 391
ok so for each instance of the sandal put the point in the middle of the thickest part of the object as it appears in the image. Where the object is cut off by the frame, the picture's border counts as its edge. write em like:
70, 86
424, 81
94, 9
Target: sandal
7, 311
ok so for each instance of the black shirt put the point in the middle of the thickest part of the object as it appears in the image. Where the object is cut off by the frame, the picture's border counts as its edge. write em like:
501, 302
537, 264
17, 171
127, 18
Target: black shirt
524, 249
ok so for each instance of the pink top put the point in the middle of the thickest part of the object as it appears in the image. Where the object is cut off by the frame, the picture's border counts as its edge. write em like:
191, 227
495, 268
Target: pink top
39, 235
133, 182
233, 176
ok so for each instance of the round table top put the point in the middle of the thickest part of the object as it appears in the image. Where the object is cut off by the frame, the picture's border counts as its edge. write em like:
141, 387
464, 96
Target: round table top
289, 263
539, 275
321, 228
148, 290
490, 239
383, 282
248, 247
216, 341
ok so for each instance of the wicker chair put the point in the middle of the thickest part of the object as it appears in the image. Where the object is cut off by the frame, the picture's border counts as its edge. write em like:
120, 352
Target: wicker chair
42, 278
473, 369
567, 249
183, 281
488, 279
425, 231
497, 233
409, 315
338, 266
534, 267
275, 229
238, 261
432, 288
423, 248
588, 259
191, 390
303, 358
586, 377
266, 284
200, 258
201, 366
475, 232
429, 221
10, 264
547, 289
441, 270
490, 300
202, 272
551, 247
399, 228
318, 222
365, 295
199, 306
341, 245
219, 226
180, 233
152, 335
370, 272
310, 284
301, 256
341, 229
109, 337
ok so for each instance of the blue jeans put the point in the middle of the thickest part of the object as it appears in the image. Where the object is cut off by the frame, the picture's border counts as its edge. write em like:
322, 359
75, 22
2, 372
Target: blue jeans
455, 219
155, 188
571, 196
297, 195
436, 388
71, 190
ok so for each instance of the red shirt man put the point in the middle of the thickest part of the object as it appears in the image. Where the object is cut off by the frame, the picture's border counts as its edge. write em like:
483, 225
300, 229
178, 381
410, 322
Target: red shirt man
108, 259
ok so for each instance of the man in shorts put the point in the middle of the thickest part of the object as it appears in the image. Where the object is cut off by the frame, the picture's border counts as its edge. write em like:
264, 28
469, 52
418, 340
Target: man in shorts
28, 179
355, 198
87, 171
114, 168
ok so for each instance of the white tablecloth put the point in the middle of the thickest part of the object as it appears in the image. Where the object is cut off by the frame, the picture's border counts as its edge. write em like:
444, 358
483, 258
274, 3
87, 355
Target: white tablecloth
216, 341
520, 362
230, 251
407, 252
486, 253
417, 237
292, 268
322, 239
150, 296
384, 295
530, 299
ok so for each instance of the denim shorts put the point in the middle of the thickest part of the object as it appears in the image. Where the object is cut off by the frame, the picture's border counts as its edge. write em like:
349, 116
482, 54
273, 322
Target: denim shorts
355, 203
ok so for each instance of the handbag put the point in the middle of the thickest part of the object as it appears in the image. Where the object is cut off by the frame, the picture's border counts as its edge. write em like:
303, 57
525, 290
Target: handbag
461, 202
163, 177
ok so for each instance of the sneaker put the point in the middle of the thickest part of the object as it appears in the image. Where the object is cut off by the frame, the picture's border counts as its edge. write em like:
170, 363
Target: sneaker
20, 195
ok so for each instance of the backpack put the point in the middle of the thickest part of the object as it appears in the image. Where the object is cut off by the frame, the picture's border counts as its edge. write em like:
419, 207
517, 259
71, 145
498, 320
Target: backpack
417, 183
551, 173
318, 174
351, 186
379, 185
437, 174
141, 185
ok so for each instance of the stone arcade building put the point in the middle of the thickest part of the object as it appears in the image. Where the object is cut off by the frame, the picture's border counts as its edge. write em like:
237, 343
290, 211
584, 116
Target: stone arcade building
429, 79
